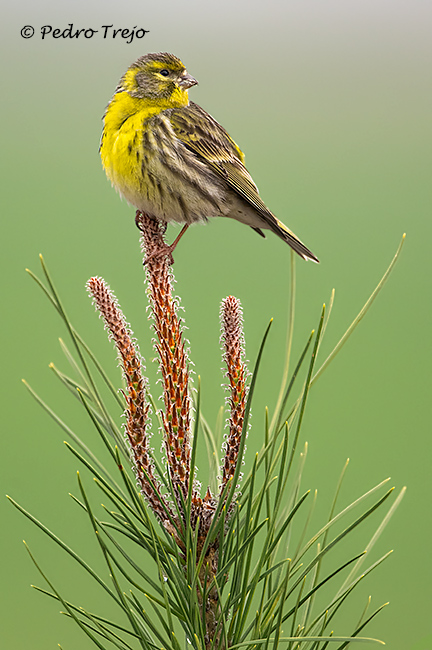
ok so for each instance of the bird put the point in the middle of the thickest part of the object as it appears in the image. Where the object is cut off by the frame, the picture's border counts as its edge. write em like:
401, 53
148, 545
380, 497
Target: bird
172, 160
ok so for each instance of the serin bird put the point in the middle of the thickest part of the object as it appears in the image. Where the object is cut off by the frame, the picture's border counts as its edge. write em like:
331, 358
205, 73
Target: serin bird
173, 161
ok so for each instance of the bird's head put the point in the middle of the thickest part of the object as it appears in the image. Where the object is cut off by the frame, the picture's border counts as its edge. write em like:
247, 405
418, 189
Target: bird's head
159, 77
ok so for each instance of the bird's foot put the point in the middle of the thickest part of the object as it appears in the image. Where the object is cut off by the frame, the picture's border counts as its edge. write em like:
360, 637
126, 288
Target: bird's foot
138, 220
166, 249
139, 225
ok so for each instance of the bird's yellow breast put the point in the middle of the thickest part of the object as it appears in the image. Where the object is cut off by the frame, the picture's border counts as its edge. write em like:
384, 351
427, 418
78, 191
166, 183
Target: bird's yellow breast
125, 121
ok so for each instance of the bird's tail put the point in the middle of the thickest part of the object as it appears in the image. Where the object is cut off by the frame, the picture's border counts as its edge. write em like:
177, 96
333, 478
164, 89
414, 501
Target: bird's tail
290, 238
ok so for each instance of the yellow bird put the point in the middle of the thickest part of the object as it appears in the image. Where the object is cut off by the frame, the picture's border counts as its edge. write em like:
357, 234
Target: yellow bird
172, 160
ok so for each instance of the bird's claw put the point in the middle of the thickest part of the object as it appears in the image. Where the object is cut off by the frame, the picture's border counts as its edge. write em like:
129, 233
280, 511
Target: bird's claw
137, 220
166, 250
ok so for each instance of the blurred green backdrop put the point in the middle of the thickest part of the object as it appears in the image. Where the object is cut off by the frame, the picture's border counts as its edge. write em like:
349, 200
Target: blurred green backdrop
331, 101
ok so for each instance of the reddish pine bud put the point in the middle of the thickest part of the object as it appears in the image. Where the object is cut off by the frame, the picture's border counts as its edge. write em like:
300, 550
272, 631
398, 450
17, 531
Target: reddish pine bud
137, 410
233, 347
170, 347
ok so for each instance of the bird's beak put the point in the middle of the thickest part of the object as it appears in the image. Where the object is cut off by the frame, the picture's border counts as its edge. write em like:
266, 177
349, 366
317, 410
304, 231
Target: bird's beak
187, 81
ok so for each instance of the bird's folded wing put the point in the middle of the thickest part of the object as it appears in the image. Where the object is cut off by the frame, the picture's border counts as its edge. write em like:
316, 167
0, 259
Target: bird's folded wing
205, 137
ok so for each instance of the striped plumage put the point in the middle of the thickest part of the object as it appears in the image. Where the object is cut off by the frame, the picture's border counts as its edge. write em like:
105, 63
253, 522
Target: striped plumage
172, 160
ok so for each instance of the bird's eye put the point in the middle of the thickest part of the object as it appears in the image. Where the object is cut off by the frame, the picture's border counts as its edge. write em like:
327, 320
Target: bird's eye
164, 73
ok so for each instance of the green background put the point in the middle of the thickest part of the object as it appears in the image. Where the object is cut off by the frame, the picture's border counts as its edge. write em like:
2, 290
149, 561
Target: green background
331, 102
